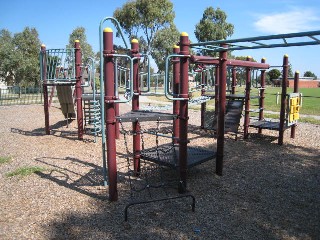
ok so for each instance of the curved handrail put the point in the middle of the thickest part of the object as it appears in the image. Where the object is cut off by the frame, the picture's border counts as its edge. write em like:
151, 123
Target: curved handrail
166, 78
102, 91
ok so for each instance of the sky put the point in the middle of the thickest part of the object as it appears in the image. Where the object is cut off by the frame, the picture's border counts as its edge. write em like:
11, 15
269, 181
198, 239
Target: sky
55, 21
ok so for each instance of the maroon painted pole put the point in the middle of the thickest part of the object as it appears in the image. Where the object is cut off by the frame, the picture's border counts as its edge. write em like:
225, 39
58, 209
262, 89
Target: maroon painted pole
216, 90
176, 88
45, 89
262, 97
110, 111
203, 91
295, 90
183, 115
221, 110
247, 102
78, 89
135, 106
234, 80
283, 98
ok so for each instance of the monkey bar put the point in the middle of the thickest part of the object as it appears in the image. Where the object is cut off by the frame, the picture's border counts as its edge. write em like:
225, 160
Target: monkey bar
268, 41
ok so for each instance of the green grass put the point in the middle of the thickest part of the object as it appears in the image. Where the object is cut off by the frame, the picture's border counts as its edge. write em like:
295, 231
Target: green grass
310, 99
25, 171
4, 160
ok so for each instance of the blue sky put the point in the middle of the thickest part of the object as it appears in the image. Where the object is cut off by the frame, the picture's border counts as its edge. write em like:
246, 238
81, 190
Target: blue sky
55, 20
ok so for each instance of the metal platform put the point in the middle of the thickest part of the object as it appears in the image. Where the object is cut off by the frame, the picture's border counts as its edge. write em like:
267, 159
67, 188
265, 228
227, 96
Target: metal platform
168, 155
264, 124
143, 116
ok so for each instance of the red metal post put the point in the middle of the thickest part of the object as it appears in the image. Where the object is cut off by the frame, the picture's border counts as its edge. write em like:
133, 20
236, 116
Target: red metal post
203, 91
262, 90
221, 109
183, 116
135, 106
110, 111
234, 80
295, 90
176, 87
45, 89
247, 102
283, 98
216, 90
78, 89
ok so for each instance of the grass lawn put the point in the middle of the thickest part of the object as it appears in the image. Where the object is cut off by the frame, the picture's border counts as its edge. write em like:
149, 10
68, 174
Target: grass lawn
310, 101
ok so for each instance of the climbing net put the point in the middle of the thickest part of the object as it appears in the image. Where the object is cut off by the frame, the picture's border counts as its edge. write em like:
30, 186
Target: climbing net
153, 181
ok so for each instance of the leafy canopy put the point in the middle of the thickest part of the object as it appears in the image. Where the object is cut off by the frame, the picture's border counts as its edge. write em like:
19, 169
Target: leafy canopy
19, 56
213, 26
79, 33
143, 18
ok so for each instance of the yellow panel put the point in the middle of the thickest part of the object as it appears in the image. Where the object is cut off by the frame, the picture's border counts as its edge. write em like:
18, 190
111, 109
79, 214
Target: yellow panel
292, 109
291, 117
297, 109
296, 116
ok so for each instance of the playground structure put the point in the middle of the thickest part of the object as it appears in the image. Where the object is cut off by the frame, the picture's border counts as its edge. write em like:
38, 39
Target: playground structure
178, 154
63, 70
178, 93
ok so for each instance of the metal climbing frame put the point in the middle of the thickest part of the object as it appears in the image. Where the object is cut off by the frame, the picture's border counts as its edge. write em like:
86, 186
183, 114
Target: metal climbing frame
223, 46
62, 67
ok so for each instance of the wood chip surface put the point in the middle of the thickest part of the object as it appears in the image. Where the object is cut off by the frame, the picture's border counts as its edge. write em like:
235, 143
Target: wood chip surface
267, 191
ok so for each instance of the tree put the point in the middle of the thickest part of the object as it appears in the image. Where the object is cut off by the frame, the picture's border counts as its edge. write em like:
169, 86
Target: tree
273, 75
80, 34
20, 57
141, 19
213, 26
7, 56
162, 45
27, 45
310, 74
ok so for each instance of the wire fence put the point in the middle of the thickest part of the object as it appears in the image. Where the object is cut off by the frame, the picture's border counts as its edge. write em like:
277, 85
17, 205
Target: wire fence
15, 95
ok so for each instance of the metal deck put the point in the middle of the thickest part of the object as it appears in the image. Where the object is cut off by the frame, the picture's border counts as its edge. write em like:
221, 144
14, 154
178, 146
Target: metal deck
143, 116
168, 155
264, 124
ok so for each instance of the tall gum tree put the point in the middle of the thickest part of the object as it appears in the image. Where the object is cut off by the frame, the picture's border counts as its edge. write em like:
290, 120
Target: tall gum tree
213, 26
142, 19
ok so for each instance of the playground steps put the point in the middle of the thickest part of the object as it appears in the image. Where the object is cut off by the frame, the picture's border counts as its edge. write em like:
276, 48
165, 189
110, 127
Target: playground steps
92, 114
65, 96
232, 118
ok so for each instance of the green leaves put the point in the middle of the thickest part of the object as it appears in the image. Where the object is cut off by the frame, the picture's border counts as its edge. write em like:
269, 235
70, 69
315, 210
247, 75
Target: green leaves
213, 26
143, 18
79, 33
19, 57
